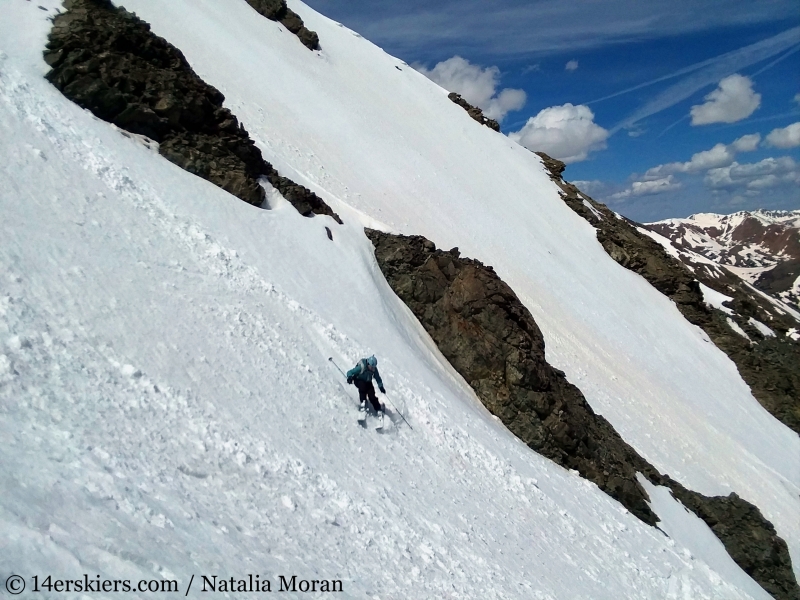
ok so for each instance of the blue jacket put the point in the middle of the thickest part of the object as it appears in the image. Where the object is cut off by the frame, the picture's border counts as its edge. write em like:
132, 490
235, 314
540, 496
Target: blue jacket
360, 371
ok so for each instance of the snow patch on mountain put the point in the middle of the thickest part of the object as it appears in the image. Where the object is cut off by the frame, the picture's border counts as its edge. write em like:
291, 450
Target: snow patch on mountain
762, 247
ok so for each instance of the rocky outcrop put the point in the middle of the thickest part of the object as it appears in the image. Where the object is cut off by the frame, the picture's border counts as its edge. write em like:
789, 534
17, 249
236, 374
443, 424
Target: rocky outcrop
276, 10
474, 112
769, 365
492, 341
749, 538
107, 60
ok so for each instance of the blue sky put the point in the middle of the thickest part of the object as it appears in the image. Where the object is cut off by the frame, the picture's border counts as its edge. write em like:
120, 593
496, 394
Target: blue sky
660, 108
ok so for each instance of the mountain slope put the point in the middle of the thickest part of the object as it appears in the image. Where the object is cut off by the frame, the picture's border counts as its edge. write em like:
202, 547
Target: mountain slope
127, 274
763, 247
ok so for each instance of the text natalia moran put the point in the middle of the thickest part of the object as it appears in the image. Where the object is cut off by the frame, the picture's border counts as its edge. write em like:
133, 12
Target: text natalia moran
254, 583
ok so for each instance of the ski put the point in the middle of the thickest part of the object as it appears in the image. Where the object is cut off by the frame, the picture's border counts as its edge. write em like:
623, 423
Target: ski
362, 415
365, 411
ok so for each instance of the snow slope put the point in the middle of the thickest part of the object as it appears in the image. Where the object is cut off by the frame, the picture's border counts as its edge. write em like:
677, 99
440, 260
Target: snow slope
166, 402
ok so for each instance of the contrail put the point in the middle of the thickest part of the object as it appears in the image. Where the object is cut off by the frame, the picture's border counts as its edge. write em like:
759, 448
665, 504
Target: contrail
707, 72
776, 61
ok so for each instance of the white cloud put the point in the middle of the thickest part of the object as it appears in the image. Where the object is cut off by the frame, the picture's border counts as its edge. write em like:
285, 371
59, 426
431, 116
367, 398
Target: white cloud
649, 188
797, 98
591, 187
476, 85
571, 65
732, 101
769, 172
720, 155
702, 74
786, 137
746, 143
564, 132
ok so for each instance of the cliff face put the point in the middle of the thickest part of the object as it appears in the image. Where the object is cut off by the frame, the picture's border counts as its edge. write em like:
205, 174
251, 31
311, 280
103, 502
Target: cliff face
107, 60
493, 342
769, 364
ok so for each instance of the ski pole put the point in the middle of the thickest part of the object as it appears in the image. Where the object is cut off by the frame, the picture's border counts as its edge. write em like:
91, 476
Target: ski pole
330, 358
399, 413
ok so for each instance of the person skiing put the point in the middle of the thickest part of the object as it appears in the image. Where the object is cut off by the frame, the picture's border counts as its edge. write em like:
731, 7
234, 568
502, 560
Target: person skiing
361, 375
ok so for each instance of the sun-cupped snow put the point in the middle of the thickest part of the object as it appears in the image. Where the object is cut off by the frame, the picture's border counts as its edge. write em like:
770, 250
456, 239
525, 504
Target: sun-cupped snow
167, 404
367, 132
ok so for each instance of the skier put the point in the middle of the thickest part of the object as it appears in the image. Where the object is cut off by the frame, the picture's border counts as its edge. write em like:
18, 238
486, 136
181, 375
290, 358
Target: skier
362, 375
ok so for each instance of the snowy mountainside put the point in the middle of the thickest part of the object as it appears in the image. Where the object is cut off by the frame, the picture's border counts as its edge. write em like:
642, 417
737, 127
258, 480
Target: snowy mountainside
165, 384
762, 247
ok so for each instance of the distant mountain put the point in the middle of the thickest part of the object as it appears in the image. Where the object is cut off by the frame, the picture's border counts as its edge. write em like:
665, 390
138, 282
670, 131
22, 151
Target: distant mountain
762, 247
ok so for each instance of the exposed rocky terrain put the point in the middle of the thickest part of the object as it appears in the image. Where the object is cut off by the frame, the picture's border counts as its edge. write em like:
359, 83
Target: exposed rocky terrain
107, 60
492, 341
769, 364
749, 538
474, 112
762, 247
276, 10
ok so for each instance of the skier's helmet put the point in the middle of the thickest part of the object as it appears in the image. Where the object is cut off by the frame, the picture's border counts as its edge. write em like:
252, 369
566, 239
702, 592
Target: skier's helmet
372, 361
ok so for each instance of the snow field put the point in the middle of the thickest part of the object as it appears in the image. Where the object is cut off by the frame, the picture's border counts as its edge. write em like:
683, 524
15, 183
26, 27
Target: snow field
169, 411
168, 408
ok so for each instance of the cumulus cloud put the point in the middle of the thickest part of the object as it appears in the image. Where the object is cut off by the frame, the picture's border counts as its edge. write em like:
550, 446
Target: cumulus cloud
649, 188
699, 75
769, 172
732, 101
571, 65
720, 155
786, 137
565, 132
476, 85
746, 143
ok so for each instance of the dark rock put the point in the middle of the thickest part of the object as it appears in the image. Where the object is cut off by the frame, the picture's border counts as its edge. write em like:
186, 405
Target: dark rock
748, 537
276, 10
474, 112
770, 367
108, 61
304, 200
491, 339
780, 278
272, 9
